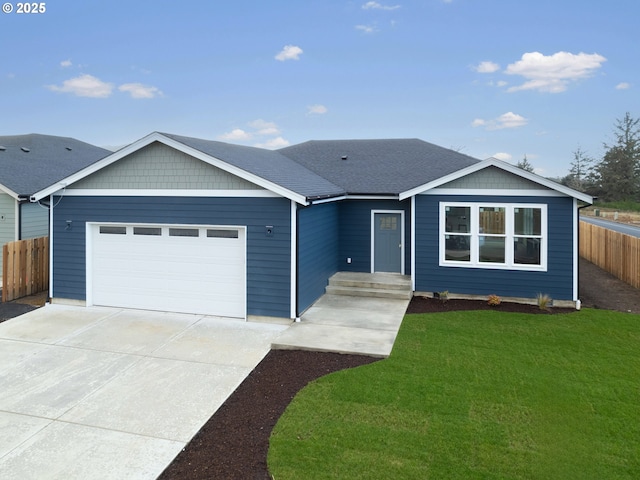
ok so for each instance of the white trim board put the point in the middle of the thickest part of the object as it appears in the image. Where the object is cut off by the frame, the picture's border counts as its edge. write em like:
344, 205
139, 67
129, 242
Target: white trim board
133, 192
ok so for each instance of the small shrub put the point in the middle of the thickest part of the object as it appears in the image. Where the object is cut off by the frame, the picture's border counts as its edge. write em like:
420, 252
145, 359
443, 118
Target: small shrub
544, 301
443, 296
493, 300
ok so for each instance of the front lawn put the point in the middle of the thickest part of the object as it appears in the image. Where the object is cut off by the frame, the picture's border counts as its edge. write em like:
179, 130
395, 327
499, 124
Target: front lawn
482, 394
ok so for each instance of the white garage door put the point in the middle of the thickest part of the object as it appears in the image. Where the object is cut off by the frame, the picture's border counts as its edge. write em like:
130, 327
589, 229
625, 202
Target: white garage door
174, 268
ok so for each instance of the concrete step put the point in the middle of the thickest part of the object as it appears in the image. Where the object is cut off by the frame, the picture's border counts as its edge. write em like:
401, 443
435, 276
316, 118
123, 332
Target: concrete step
369, 292
381, 285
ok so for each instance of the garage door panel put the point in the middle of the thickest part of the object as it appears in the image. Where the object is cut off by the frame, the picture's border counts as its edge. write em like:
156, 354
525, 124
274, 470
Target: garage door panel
173, 273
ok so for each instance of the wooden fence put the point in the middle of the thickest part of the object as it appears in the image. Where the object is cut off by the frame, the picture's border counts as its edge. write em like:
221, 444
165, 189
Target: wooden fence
617, 253
25, 268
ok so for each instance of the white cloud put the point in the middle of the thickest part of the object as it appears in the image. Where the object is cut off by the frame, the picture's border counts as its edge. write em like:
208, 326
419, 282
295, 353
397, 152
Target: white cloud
274, 143
487, 67
235, 135
84, 86
623, 86
506, 120
66, 63
316, 110
366, 28
264, 128
505, 157
553, 73
379, 6
138, 90
289, 52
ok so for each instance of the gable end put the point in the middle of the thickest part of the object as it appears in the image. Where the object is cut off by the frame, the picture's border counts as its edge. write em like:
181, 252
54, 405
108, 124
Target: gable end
492, 178
158, 167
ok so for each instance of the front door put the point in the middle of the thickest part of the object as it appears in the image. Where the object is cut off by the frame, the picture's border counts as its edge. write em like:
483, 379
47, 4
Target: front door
387, 242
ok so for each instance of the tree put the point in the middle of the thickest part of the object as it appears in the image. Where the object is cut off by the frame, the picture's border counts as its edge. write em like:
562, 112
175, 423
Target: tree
617, 176
525, 165
578, 174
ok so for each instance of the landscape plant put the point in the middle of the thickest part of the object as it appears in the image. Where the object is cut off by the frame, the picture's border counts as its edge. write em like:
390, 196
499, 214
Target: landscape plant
493, 300
544, 301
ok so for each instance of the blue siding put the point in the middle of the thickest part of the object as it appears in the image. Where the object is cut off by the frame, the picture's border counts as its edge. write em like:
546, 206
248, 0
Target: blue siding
557, 281
317, 251
355, 232
268, 258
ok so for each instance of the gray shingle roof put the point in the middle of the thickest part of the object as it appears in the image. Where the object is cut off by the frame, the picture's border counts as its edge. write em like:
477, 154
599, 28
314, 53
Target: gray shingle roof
267, 164
377, 166
30, 163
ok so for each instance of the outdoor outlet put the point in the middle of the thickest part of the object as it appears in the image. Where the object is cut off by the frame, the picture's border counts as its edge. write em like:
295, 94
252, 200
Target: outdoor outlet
348, 259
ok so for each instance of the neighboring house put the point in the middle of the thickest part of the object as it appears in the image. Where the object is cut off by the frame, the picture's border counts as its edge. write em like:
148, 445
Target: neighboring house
29, 163
188, 225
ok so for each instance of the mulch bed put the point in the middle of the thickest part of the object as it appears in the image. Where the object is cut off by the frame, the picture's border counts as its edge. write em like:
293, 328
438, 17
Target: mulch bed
233, 444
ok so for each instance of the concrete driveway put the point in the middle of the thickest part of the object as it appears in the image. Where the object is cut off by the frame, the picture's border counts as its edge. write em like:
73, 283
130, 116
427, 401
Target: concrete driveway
100, 393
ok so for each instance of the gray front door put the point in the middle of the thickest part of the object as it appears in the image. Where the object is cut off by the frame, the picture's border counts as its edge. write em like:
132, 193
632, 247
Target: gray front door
387, 242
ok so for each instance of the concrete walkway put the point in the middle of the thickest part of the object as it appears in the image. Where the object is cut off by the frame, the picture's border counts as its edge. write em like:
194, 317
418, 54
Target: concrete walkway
347, 324
103, 393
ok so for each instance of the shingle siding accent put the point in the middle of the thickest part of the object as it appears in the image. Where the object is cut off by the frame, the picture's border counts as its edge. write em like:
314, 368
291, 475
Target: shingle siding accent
557, 281
35, 221
317, 251
158, 166
355, 232
268, 258
492, 178
7, 221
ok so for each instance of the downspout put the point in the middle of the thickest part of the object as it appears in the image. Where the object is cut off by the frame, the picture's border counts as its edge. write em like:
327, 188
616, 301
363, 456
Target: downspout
578, 302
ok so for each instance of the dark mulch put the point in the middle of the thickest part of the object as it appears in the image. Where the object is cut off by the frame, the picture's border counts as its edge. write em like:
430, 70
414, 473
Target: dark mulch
434, 305
233, 444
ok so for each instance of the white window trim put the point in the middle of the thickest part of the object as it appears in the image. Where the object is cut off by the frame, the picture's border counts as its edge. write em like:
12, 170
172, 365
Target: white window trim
474, 240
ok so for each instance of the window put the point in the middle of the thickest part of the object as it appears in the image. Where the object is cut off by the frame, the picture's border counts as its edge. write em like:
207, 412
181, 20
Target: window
184, 232
488, 235
222, 233
152, 231
107, 230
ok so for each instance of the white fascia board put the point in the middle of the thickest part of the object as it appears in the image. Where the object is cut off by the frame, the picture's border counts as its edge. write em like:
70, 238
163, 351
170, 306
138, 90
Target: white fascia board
131, 192
493, 192
494, 162
8, 191
158, 137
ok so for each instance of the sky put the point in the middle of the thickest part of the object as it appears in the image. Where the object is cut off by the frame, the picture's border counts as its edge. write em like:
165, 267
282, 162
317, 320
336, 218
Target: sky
501, 78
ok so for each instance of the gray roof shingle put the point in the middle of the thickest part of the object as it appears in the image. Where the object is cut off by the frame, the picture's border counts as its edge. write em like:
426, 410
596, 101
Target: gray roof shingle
30, 163
382, 167
267, 164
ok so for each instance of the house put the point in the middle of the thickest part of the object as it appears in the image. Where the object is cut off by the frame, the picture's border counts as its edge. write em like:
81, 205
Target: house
190, 225
29, 163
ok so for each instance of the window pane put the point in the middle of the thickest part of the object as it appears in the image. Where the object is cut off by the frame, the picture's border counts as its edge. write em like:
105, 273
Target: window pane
113, 230
526, 251
458, 219
491, 249
222, 233
492, 220
184, 232
528, 221
155, 231
457, 248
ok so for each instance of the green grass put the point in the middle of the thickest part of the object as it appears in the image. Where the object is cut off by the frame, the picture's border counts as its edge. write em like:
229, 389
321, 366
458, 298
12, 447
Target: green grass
476, 395
623, 206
